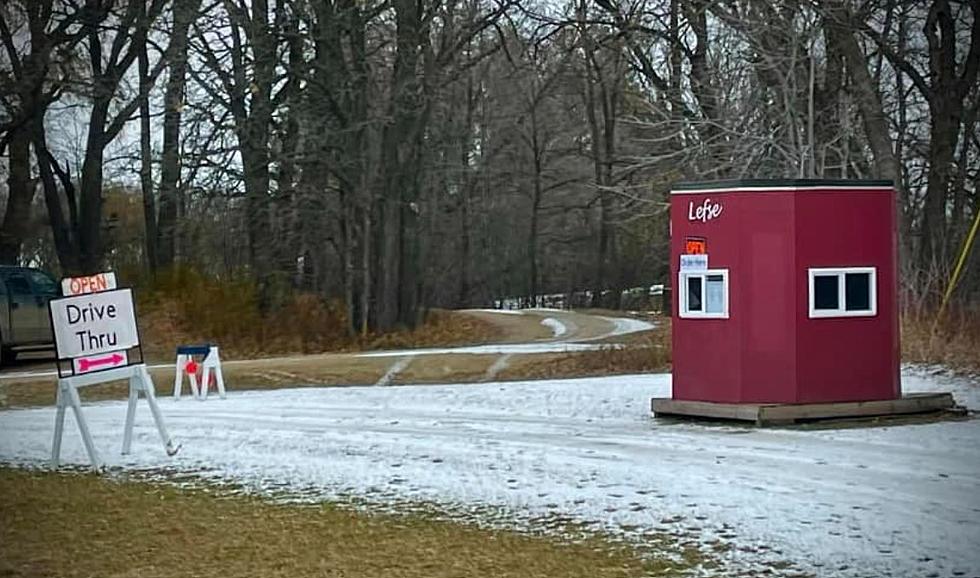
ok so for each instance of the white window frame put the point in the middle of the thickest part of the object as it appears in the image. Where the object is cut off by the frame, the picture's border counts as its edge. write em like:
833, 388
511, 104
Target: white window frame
682, 278
841, 273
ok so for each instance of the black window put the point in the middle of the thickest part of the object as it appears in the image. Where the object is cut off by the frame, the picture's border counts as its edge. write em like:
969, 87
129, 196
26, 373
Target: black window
843, 292
694, 294
825, 292
857, 291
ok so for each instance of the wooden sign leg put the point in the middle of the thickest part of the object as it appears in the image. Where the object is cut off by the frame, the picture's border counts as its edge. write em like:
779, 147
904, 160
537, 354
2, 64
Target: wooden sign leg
151, 400
179, 375
76, 406
205, 379
192, 377
220, 378
134, 395
59, 425
214, 364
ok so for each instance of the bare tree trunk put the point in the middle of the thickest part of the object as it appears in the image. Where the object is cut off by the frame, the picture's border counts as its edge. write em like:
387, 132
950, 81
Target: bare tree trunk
958, 223
90, 196
465, 148
146, 160
532, 241
866, 96
62, 229
347, 225
602, 85
185, 12
20, 195
253, 136
366, 235
597, 147
701, 85
398, 297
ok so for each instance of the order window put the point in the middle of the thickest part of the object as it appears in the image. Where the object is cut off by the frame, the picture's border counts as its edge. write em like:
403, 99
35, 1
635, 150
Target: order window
704, 294
843, 292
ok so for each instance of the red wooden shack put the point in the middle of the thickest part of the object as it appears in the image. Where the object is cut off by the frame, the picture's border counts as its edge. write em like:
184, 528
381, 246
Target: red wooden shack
786, 291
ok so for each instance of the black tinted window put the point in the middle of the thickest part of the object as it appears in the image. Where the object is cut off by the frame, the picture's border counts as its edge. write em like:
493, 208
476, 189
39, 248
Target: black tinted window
857, 291
694, 294
825, 292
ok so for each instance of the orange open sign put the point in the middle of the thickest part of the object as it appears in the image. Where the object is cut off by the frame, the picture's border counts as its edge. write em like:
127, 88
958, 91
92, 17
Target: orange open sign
696, 246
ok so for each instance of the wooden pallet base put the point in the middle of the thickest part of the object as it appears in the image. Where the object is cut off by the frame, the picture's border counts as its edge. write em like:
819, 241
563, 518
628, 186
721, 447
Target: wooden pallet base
784, 413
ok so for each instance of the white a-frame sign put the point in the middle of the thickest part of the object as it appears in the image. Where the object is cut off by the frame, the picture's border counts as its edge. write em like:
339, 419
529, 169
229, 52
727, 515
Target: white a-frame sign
94, 331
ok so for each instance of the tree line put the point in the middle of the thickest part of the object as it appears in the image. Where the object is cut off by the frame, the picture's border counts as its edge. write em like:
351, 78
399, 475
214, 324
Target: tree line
403, 154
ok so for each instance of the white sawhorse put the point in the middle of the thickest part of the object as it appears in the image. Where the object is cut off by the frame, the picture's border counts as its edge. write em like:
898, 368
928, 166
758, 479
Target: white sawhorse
211, 363
139, 381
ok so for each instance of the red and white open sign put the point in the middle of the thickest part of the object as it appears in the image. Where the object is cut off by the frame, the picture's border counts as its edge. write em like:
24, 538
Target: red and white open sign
88, 284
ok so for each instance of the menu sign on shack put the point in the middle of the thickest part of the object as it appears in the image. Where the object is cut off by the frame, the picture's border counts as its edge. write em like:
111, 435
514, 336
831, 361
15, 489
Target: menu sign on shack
94, 330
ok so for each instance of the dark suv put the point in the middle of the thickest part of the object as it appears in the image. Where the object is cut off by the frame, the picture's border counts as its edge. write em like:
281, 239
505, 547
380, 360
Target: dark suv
24, 321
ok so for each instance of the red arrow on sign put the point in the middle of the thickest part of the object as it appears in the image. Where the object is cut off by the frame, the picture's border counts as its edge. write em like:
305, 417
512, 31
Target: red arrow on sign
85, 364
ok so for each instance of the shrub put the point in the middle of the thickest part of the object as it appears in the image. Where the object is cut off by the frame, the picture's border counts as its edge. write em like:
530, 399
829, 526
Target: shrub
953, 342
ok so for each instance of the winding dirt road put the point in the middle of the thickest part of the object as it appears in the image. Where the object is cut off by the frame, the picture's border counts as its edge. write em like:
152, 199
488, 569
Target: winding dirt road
538, 334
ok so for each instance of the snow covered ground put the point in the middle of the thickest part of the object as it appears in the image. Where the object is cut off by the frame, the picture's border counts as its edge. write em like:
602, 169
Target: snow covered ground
871, 501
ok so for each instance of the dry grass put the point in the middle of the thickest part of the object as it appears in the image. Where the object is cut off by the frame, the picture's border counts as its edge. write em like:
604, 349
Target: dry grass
239, 375
63, 525
644, 352
188, 307
441, 329
955, 343
642, 355
641, 352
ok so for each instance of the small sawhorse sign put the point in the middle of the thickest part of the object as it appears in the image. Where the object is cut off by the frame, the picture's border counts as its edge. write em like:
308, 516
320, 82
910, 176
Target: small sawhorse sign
94, 332
210, 369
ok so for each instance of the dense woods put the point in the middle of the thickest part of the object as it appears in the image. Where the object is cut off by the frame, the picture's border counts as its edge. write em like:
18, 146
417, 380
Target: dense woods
404, 154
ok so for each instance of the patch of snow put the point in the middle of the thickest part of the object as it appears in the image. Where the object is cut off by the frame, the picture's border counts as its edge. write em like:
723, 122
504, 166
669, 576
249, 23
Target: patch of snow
502, 363
396, 368
872, 501
503, 311
557, 327
623, 326
495, 348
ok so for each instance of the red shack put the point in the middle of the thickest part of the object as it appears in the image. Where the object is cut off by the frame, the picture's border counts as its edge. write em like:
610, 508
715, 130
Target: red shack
785, 291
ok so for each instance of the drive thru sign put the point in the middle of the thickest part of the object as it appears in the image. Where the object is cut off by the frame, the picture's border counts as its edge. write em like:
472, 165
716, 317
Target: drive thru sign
95, 323
94, 327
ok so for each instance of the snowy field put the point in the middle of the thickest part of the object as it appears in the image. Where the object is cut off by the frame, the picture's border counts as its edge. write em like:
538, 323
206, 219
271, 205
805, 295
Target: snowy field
882, 501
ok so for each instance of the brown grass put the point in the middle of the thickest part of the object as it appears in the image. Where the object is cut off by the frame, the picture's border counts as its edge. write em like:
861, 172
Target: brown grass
441, 329
185, 306
954, 342
82, 525
644, 352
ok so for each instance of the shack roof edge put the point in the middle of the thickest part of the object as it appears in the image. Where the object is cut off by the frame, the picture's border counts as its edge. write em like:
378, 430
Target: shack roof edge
778, 184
